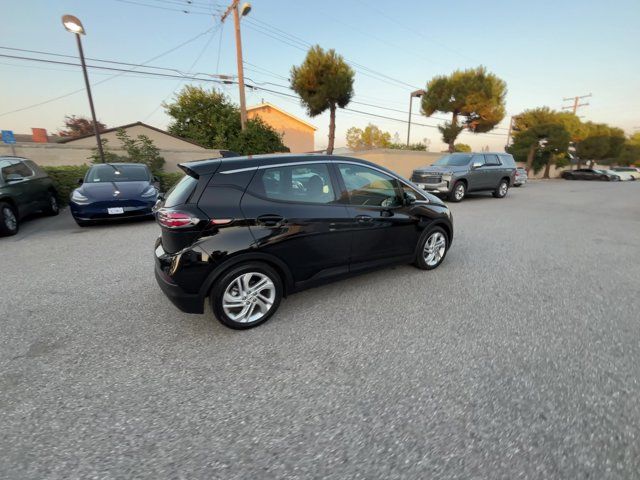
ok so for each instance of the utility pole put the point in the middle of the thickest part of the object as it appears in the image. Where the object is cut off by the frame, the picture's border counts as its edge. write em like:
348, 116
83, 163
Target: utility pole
417, 93
246, 8
576, 103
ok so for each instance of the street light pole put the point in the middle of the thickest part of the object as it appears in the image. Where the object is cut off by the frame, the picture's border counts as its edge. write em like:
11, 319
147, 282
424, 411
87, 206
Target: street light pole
73, 25
246, 8
417, 93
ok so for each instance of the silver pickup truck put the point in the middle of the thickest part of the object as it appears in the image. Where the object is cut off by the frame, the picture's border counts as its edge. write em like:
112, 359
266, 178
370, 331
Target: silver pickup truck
456, 174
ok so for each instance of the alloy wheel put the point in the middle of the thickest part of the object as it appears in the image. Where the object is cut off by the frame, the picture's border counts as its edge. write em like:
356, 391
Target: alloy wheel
248, 297
53, 204
10, 219
459, 192
434, 248
503, 189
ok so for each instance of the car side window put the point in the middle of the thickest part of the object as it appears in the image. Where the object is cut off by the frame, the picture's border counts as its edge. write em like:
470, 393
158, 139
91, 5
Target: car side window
366, 186
492, 160
16, 168
308, 183
477, 159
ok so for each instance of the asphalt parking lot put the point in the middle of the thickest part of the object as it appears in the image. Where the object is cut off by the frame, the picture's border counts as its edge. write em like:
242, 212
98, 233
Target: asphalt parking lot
518, 358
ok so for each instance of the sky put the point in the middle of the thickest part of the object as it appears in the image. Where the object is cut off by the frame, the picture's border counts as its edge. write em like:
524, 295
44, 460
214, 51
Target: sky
544, 50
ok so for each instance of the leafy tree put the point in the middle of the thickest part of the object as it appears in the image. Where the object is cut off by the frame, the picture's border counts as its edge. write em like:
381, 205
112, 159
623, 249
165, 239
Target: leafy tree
323, 81
258, 137
370, 137
210, 119
532, 126
79, 126
601, 143
542, 144
206, 117
139, 150
109, 156
474, 94
630, 154
461, 147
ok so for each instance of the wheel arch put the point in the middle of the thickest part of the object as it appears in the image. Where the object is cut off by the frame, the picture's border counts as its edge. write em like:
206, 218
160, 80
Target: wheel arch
274, 262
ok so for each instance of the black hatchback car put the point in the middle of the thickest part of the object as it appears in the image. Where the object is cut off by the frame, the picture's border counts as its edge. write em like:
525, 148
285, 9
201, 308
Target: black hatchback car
246, 231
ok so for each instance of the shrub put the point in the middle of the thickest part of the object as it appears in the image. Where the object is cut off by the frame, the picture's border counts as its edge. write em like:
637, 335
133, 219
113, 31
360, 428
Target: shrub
65, 179
168, 180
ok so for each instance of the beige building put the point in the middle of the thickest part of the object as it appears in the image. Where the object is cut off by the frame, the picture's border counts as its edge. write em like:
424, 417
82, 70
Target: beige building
77, 151
297, 134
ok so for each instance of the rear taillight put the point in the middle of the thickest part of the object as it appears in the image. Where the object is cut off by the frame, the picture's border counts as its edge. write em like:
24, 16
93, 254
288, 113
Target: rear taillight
171, 219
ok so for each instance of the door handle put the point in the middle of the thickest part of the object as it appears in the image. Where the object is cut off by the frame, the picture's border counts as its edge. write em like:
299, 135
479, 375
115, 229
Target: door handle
363, 218
270, 220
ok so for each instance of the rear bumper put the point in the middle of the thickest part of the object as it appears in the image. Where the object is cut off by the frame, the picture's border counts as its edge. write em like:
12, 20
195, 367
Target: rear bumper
187, 302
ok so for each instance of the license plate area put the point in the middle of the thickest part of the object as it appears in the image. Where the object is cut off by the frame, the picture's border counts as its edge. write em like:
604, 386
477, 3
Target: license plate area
115, 210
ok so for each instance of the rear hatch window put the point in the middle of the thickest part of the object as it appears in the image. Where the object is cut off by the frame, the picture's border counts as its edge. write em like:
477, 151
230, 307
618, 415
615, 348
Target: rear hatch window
180, 192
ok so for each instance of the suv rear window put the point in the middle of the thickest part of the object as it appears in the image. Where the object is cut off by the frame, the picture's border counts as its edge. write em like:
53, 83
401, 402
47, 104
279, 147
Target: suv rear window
180, 192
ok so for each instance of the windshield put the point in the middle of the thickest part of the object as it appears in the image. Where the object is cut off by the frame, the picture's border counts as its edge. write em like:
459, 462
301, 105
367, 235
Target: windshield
118, 173
453, 160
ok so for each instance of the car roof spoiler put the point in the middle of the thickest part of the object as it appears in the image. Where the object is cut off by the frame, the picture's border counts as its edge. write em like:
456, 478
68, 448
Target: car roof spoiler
200, 167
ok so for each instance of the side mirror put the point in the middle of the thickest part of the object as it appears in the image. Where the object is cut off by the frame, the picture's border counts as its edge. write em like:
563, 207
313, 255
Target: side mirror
80, 181
409, 198
476, 164
14, 177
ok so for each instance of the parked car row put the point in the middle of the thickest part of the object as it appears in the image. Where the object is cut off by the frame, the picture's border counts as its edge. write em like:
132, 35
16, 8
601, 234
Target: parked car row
615, 175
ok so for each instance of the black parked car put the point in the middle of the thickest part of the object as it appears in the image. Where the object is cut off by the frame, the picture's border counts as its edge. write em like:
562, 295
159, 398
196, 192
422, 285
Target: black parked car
113, 191
589, 174
24, 189
458, 173
246, 231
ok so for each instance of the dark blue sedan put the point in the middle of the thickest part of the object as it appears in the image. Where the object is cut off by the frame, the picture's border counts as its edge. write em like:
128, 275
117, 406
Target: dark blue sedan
113, 191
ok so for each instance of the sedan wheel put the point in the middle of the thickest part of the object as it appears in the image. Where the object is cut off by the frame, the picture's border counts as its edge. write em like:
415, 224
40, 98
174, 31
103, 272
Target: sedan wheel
432, 249
247, 296
8, 220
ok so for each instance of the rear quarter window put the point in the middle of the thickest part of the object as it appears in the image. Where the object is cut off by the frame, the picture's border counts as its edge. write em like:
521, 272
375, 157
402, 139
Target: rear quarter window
508, 161
181, 191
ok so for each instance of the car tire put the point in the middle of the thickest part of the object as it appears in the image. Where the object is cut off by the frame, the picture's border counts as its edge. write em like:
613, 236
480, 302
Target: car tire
9, 224
502, 189
234, 299
52, 208
428, 254
458, 192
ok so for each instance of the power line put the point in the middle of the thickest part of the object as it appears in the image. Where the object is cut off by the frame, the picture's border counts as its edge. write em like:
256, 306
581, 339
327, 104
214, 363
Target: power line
186, 76
198, 57
186, 42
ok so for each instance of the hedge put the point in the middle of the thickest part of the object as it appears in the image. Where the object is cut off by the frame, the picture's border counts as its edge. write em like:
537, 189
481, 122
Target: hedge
65, 180
169, 179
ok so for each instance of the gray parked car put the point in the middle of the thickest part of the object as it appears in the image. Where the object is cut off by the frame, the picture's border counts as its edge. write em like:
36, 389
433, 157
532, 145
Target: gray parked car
458, 173
521, 177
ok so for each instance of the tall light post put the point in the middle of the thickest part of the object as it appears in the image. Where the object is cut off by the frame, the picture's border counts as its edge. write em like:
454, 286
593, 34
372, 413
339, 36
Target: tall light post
418, 94
74, 25
246, 8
